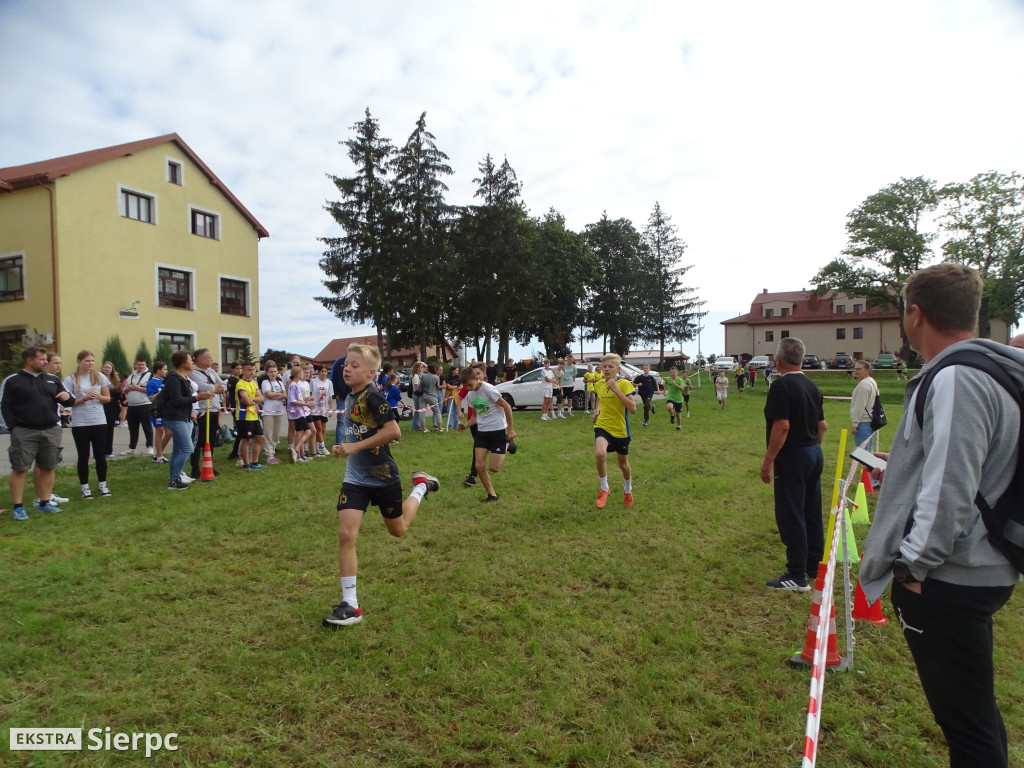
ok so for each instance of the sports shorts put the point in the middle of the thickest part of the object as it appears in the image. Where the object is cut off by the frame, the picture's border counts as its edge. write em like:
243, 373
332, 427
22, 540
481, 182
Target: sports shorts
618, 445
493, 440
39, 446
388, 499
247, 429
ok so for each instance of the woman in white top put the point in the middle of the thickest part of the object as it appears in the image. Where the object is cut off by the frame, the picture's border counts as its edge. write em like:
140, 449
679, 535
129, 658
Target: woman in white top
862, 402
322, 390
298, 409
275, 421
91, 391
415, 387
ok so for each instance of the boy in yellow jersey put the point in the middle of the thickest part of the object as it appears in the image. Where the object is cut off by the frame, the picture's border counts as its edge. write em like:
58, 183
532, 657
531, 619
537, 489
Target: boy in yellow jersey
589, 379
611, 426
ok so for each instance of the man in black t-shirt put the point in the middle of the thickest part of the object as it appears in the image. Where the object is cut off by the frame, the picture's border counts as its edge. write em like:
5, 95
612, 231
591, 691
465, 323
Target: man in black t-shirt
795, 426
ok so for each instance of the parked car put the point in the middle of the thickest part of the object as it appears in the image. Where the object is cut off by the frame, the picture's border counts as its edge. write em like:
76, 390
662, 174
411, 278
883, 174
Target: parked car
841, 360
885, 360
525, 391
724, 363
760, 362
404, 380
811, 361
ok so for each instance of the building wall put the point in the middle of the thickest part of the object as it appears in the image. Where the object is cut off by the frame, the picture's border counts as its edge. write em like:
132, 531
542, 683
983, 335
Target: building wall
107, 261
819, 338
25, 232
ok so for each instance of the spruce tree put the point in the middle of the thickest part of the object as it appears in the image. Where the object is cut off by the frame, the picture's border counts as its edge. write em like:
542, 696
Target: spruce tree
358, 263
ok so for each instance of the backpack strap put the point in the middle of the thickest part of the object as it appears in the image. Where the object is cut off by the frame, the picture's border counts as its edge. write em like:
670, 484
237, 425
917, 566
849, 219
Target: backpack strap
1009, 529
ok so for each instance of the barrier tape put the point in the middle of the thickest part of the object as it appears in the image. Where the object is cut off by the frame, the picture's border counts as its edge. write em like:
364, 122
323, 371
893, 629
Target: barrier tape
818, 665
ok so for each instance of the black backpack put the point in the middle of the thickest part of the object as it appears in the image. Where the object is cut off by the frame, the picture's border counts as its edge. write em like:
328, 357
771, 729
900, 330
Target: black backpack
1004, 521
156, 405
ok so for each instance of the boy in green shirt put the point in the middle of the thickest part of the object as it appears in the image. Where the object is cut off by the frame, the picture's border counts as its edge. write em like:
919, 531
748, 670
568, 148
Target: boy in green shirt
677, 393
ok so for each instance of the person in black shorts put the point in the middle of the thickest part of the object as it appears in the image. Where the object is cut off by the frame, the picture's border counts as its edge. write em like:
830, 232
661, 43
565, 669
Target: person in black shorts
371, 474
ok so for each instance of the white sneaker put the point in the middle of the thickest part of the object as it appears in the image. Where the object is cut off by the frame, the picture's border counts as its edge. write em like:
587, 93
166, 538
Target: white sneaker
55, 499
239, 463
561, 415
544, 417
570, 412
128, 452
150, 451
293, 453
184, 478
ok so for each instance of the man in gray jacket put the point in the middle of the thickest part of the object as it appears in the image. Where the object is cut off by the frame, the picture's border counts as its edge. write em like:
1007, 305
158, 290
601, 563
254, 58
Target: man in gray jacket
928, 534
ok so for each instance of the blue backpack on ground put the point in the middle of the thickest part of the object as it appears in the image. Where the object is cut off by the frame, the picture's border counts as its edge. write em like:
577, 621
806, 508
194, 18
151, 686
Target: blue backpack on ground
1005, 520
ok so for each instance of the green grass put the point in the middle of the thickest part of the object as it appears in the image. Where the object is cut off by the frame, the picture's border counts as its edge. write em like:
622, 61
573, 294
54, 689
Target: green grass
538, 631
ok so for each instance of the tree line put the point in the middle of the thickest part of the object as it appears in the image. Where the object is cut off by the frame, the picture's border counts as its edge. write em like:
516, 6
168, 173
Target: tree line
422, 270
980, 223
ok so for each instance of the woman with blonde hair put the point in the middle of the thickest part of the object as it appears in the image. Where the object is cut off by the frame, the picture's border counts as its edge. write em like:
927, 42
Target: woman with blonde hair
91, 392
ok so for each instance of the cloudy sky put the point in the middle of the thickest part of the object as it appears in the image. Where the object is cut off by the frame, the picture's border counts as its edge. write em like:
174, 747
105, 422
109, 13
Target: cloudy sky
757, 126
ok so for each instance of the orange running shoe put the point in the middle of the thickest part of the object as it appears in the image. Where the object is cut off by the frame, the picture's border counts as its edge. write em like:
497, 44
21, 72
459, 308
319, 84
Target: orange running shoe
628, 499
602, 498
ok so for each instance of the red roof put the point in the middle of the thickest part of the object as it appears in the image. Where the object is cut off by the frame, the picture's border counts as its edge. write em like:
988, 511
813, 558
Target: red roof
808, 307
337, 348
21, 176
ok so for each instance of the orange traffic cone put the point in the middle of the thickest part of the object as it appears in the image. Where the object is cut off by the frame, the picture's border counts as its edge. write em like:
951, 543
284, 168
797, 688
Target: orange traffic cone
865, 477
864, 612
806, 657
206, 474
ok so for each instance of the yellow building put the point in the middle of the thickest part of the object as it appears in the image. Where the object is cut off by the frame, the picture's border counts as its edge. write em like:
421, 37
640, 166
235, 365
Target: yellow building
139, 240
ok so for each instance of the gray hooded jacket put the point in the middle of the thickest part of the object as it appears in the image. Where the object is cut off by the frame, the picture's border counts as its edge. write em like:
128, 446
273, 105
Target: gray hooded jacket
968, 443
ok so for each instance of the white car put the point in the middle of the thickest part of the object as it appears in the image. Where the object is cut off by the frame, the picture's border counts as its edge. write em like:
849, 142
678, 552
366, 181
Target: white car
760, 362
724, 363
525, 391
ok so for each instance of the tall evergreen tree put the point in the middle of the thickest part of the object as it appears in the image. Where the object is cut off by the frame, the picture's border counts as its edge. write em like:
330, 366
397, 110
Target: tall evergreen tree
358, 264
420, 259
985, 218
672, 309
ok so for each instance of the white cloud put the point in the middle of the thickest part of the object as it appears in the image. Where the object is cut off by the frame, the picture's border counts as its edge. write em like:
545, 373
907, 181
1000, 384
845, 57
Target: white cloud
758, 127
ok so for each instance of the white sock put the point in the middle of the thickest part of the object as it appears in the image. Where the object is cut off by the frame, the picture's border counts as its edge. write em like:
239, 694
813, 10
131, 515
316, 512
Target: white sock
627, 486
604, 483
348, 591
419, 490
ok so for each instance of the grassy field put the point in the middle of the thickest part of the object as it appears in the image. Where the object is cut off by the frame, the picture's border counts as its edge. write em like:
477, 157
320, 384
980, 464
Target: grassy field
538, 631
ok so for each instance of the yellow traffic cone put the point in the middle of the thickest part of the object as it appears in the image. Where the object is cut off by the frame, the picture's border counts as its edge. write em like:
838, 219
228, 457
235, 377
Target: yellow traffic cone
859, 513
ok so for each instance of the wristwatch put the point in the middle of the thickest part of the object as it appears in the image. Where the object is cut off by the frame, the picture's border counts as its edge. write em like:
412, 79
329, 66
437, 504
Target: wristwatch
902, 574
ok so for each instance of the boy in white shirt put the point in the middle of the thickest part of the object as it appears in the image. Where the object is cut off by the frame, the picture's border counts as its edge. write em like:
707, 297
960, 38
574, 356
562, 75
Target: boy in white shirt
493, 415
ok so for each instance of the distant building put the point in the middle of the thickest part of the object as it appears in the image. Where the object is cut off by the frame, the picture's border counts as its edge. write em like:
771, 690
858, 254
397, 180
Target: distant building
400, 358
830, 323
139, 240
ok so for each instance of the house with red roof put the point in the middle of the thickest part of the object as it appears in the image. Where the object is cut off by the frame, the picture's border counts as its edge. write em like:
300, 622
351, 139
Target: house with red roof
399, 358
139, 240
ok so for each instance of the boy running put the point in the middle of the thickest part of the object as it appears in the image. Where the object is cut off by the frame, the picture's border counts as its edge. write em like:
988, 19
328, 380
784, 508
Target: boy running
493, 415
371, 474
611, 427
678, 394
722, 388
647, 385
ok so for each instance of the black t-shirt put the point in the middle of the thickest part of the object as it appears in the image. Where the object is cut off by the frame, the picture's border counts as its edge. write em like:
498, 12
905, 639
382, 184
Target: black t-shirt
798, 399
491, 372
645, 383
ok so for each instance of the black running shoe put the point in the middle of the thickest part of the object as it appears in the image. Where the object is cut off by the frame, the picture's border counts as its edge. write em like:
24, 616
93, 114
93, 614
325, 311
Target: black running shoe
470, 480
343, 615
490, 499
789, 582
176, 485
430, 481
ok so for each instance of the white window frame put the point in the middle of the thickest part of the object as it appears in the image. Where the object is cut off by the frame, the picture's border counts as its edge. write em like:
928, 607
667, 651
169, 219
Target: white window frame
206, 211
24, 273
248, 293
168, 160
179, 331
122, 211
193, 299
226, 364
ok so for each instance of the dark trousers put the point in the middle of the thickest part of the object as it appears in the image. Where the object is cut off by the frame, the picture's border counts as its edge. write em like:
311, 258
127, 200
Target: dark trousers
948, 629
139, 414
112, 411
647, 407
197, 454
472, 463
797, 481
94, 438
